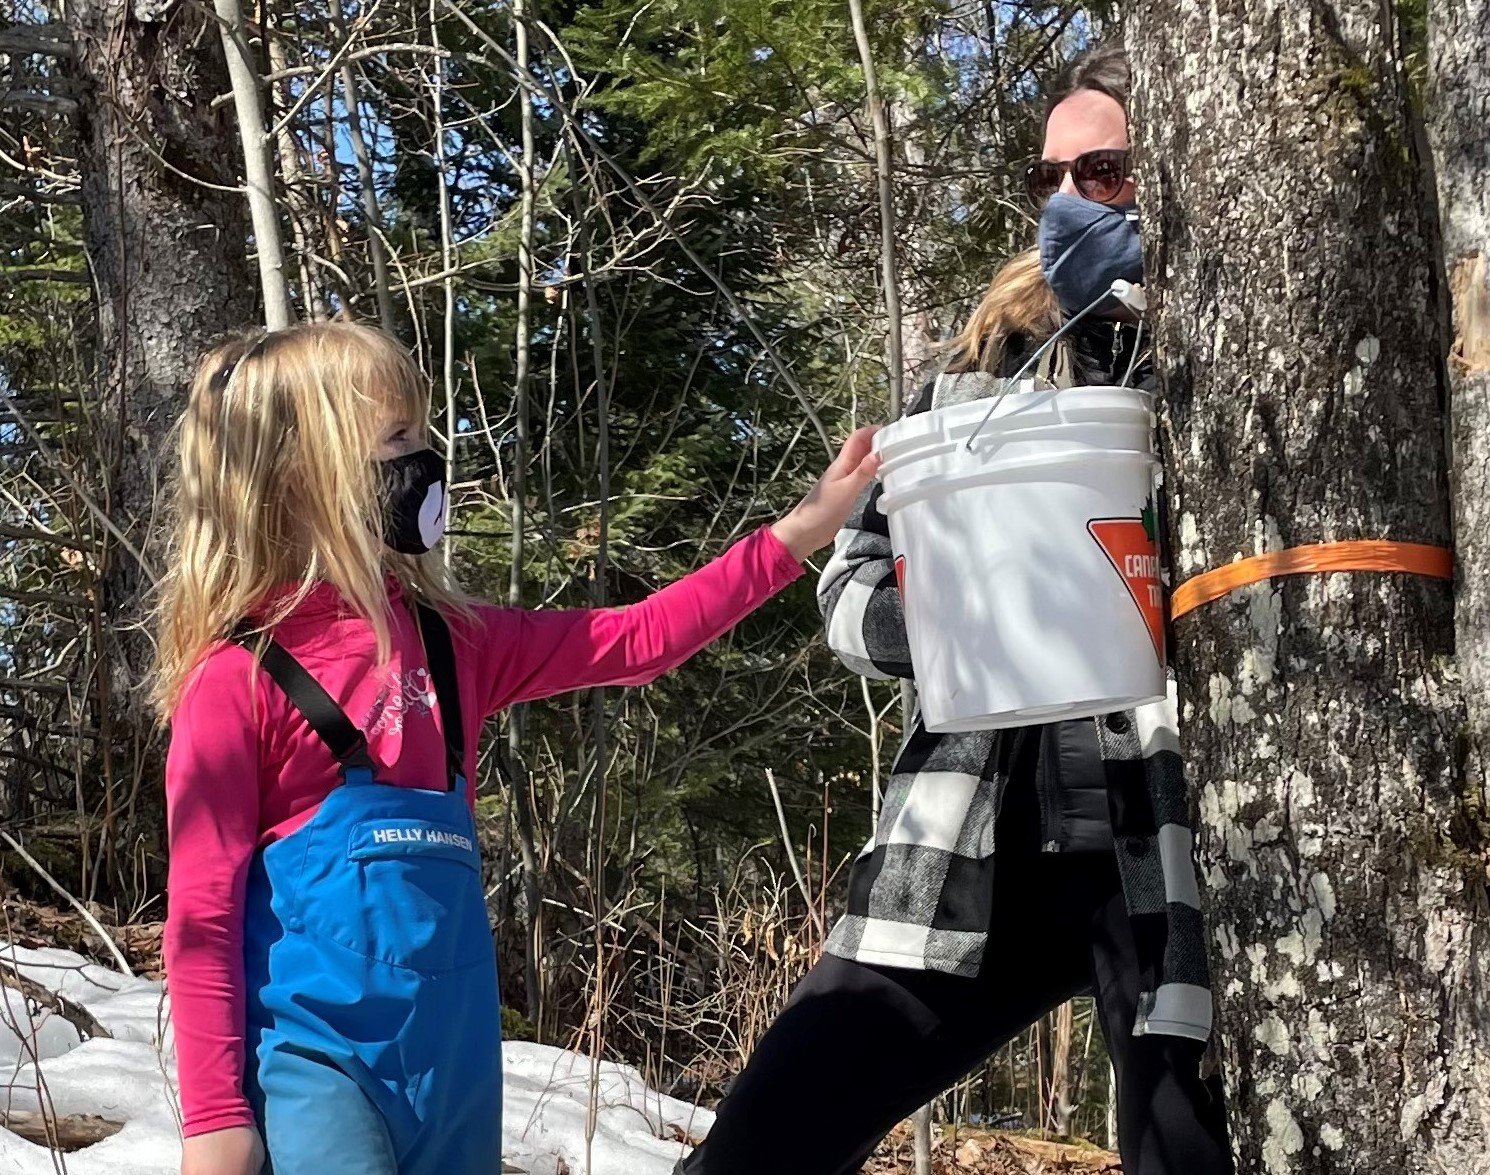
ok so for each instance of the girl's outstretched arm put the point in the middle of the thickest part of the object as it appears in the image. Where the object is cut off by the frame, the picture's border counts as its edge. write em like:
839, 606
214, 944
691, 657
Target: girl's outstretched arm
534, 654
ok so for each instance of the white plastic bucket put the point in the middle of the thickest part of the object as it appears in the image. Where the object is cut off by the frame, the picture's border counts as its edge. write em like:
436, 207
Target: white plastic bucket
1028, 564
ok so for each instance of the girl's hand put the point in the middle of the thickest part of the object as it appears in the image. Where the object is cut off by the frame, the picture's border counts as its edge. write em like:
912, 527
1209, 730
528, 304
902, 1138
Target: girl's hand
234, 1151
817, 518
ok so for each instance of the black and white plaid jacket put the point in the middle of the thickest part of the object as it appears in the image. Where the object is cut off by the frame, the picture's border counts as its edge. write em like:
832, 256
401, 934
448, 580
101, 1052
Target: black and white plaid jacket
920, 893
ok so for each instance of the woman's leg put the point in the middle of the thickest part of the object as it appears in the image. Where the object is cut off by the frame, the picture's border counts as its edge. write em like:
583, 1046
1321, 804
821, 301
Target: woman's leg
1170, 1122
859, 1047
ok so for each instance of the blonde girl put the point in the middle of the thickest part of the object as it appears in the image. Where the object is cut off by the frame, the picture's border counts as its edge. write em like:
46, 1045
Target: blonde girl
331, 969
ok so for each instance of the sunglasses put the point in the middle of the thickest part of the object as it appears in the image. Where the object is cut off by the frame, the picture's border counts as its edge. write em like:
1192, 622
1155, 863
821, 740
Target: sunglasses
1099, 175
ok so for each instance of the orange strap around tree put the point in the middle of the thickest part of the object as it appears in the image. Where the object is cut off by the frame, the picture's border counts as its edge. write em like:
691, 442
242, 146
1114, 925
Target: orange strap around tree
1364, 555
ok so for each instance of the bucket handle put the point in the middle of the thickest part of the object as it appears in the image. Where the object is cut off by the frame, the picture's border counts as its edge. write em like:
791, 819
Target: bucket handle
1124, 291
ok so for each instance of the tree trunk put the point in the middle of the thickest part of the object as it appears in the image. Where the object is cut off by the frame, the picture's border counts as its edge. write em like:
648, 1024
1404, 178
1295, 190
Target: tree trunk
1458, 103
167, 255
366, 181
300, 198
1290, 255
1058, 1107
885, 186
1457, 107
519, 779
258, 168
921, 1138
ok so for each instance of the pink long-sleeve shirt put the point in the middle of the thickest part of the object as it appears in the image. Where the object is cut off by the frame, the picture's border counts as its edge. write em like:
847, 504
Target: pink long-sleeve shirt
244, 769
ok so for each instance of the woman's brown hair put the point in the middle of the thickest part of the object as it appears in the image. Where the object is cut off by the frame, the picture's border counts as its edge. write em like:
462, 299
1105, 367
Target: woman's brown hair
1019, 301
1104, 69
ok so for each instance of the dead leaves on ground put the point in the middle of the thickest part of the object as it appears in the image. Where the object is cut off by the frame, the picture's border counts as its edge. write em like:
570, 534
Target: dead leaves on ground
992, 1153
36, 925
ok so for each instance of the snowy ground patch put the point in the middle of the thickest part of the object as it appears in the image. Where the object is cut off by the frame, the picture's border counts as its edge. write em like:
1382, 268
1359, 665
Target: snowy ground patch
131, 1079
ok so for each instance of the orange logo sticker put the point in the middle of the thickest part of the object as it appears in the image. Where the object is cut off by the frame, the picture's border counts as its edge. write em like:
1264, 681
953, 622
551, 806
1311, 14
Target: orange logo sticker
1130, 547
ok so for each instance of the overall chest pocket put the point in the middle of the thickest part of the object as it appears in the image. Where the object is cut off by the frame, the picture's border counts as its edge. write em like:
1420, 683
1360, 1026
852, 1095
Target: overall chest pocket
407, 893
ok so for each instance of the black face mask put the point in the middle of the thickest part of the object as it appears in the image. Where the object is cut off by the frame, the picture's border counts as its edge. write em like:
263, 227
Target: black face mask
413, 501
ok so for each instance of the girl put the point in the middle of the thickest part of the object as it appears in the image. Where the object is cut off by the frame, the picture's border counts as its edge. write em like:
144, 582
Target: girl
331, 968
1011, 869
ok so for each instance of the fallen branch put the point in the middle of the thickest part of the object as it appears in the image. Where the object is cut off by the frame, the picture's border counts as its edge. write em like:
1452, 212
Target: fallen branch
71, 1133
74, 1013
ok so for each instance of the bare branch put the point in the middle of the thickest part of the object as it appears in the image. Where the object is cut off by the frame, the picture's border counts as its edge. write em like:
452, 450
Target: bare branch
109, 944
39, 103
74, 1013
40, 274
42, 40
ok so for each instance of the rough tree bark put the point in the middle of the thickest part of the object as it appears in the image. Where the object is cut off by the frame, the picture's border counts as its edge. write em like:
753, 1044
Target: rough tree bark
1458, 110
166, 253
1291, 254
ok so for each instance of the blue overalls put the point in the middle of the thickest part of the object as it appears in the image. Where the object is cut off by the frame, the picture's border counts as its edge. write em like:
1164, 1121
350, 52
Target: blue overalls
374, 1028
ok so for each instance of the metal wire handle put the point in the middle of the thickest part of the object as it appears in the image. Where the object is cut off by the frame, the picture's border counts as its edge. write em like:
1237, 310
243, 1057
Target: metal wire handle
1126, 292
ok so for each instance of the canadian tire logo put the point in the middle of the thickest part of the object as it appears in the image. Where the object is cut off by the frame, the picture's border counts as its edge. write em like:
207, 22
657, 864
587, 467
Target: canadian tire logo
1130, 546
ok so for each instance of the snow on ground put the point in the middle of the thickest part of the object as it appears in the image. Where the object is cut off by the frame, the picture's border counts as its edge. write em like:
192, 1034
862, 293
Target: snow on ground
131, 1078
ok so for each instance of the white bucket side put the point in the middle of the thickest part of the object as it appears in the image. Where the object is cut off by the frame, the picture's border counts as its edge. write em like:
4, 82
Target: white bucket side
1023, 580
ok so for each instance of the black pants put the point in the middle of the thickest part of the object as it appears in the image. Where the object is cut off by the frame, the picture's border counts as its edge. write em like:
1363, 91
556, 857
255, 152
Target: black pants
860, 1047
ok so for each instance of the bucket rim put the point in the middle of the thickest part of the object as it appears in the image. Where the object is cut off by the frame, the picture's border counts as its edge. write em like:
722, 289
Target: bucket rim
892, 500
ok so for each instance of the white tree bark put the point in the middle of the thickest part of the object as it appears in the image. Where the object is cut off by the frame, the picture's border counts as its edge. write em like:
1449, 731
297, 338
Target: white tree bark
298, 195
257, 167
1458, 113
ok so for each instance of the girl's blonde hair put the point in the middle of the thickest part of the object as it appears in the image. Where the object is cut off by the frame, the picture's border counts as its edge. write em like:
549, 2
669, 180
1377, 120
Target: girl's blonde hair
277, 489
1019, 302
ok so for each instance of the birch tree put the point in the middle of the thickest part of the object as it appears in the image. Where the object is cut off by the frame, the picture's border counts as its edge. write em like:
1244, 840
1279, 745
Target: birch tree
258, 167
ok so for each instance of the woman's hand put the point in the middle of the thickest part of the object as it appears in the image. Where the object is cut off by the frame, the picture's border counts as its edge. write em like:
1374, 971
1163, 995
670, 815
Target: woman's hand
817, 518
234, 1151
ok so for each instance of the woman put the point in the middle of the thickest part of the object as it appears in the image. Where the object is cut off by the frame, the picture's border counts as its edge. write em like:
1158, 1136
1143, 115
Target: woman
943, 957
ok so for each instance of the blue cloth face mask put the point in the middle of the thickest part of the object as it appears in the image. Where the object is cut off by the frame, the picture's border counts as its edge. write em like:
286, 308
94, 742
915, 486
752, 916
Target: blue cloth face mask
1086, 246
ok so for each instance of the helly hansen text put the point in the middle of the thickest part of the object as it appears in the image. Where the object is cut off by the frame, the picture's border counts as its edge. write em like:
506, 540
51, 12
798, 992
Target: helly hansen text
428, 836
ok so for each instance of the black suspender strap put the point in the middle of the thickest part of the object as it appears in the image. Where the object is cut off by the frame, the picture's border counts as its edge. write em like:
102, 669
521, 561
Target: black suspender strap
330, 722
441, 654
325, 717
